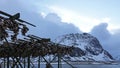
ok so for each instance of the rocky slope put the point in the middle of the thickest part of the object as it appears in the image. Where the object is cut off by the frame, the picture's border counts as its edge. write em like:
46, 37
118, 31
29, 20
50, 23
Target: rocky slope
87, 48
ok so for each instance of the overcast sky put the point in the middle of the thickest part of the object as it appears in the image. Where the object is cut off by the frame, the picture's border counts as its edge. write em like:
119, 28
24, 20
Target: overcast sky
58, 17
84, 13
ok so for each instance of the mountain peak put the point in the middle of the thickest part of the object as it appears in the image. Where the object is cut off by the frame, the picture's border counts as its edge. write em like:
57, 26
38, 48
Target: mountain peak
87, 46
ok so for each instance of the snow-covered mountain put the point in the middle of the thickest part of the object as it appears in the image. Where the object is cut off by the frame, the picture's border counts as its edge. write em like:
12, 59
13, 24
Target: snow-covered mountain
87, 47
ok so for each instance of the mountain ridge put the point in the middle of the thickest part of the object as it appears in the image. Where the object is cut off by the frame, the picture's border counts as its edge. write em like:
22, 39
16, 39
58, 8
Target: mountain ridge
87, 47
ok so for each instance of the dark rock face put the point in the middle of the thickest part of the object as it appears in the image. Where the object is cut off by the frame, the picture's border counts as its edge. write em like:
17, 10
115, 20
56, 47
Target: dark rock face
108, 54
87, 46
95, 47
77, 52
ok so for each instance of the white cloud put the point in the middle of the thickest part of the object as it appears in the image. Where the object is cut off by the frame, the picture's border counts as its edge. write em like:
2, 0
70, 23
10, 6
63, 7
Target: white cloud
106, 19
84, 23
43, 14
113, 28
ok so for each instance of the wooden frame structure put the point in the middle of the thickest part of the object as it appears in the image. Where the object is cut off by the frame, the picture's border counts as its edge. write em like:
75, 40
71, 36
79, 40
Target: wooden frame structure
13, 51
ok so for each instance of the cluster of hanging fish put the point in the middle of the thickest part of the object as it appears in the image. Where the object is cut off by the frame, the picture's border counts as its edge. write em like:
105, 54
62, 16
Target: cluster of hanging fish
11, 26
33, 47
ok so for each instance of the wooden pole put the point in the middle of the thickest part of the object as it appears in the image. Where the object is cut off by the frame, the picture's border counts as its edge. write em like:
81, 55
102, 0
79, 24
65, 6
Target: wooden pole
39, 62
59, 60
4, 62
28, 61
8, 61
24, 63
8, 53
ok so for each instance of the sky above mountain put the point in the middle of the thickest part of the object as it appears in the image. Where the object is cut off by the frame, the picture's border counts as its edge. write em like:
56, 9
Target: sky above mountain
84, 13
58, 17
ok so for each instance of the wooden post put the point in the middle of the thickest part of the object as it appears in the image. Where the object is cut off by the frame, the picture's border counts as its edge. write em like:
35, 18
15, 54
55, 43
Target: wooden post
8, 61
8, 53
24, 63
39, 62
59, 60
4, 62
28, 61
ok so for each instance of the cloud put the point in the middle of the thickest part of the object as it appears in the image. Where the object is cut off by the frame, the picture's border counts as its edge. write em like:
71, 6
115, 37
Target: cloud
77, 19
109, 41
52, 17
101, 32
112, 44
51, 26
